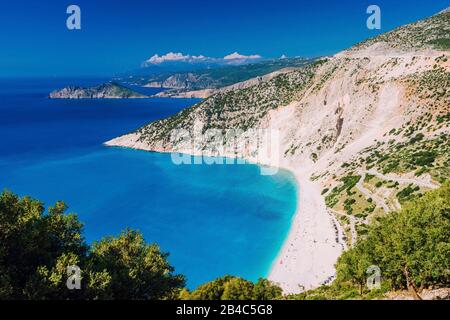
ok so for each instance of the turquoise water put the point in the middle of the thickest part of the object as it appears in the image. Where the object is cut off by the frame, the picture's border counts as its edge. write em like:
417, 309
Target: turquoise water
213, 219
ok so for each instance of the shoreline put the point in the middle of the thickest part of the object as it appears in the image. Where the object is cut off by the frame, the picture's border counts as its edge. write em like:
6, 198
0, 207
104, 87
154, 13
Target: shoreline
314, 242
315, 239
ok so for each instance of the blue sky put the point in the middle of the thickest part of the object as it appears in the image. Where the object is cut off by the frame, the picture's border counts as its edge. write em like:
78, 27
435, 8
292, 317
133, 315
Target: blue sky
119, 35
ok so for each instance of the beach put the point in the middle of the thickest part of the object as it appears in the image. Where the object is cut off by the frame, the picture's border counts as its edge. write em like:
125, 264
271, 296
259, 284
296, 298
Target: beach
314, 243
315, 239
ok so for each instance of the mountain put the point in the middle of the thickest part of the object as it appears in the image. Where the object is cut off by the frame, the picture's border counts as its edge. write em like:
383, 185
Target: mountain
193, 83
205, 93
363, 132
212, 78
109, 90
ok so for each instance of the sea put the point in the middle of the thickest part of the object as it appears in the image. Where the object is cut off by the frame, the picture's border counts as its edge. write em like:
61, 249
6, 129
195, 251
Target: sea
213, 220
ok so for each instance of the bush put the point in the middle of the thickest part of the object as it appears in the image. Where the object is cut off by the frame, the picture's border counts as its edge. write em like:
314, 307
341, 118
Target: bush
423, 158
411, 247
37, 247
234, 288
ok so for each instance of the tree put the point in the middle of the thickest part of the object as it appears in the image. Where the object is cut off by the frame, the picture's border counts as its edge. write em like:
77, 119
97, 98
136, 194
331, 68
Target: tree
184, 294
31, 242
36, 247
352, 266
212, 290
137, 270
238, 289
266, 290
234, 288
411, 246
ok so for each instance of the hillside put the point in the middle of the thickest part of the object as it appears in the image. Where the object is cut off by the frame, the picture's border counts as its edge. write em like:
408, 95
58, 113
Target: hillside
363, 131
213, 78
109, 90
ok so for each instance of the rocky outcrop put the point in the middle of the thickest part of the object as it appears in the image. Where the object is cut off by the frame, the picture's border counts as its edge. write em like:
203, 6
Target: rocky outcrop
205, 93
105, 91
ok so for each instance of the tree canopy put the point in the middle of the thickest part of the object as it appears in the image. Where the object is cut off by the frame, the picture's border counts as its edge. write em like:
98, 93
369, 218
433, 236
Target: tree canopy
234, 288
36, 247
411, 247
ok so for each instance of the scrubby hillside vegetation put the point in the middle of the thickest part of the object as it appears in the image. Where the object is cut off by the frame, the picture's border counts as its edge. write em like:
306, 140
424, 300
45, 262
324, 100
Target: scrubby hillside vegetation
410, 247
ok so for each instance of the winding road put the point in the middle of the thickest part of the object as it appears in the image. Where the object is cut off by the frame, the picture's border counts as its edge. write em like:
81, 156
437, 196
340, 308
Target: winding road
380, 201
418, 182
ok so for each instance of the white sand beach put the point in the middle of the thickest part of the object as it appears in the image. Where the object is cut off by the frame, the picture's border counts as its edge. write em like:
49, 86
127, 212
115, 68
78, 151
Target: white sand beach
313, 245
315, 239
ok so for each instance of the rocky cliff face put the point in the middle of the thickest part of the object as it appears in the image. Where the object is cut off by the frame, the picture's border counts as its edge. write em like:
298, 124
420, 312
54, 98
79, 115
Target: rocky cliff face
369, 125
104, 91
205, 93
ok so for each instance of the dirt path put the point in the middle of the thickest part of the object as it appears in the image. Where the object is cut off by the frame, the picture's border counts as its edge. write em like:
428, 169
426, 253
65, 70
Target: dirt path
420, 183
353, 220
379, 201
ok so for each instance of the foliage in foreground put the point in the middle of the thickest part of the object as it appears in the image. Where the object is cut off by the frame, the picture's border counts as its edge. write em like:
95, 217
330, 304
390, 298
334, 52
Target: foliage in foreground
233, 288
411, 247
36, 248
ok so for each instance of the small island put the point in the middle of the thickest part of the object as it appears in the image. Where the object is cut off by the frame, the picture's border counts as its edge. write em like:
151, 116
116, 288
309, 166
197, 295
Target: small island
110, 90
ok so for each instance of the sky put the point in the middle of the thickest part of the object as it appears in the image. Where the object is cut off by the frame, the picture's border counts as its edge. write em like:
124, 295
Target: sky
117, 36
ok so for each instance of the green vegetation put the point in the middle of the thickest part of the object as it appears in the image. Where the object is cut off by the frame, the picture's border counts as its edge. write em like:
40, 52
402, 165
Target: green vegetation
441, 44
340, 291
233, 288
348, 182
410, 247
431, 32
418, 155
36, 247
238, 109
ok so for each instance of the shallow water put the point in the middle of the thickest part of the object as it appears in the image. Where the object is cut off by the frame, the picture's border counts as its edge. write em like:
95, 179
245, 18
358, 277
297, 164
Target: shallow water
214, 220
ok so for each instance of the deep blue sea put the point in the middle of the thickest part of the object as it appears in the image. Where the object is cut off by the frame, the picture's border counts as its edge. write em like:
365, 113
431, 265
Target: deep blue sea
212, 219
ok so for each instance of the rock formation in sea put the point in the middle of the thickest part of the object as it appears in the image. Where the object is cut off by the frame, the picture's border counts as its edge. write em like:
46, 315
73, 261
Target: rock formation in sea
110, 90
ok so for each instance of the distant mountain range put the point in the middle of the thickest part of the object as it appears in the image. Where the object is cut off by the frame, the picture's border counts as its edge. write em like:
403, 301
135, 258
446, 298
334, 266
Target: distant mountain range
196, 78
216, 77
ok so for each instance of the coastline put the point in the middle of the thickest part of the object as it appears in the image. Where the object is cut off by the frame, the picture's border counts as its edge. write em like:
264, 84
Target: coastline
313, 245
315, 239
